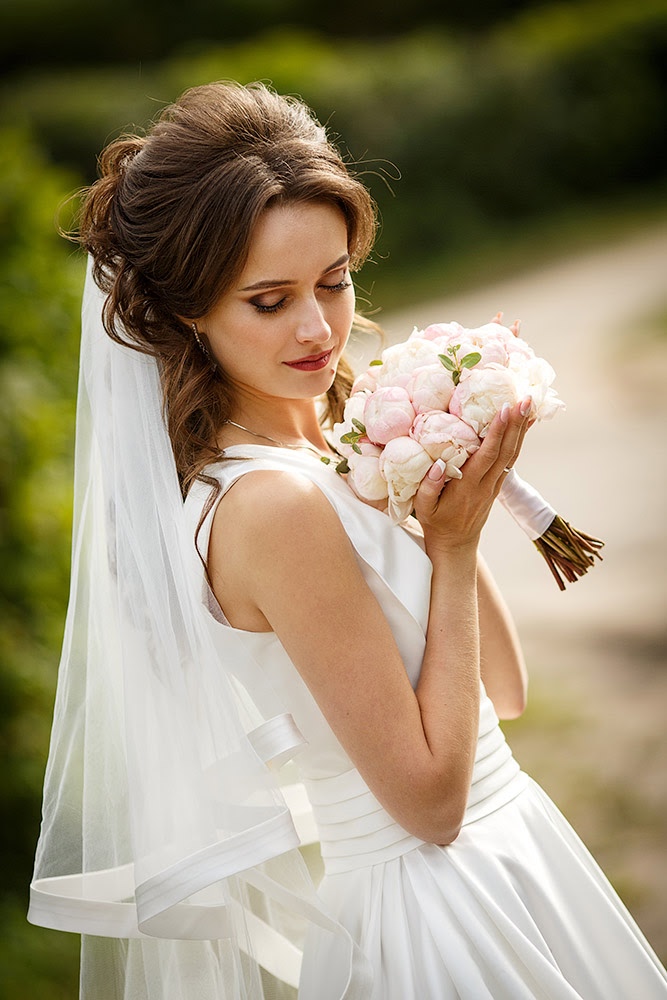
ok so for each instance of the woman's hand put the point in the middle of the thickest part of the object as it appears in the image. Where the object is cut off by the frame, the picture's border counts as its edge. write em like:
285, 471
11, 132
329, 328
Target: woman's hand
453, 514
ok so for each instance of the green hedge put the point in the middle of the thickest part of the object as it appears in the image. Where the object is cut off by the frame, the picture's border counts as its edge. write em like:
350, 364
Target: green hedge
562, 104
39, 305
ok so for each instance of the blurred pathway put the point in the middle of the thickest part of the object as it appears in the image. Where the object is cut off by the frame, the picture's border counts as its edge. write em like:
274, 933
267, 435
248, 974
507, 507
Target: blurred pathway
597, 737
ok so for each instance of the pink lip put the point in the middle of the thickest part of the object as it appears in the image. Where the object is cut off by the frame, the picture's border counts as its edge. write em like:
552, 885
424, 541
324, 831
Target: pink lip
311, 363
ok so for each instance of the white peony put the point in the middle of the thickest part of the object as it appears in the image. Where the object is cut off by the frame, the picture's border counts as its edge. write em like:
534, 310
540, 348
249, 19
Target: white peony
364, 476
366, 382
534, 377
399, 361
403, 463
354, 410
481, 393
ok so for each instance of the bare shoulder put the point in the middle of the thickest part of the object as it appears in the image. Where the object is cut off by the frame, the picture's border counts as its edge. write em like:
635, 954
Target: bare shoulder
274, 532
276, 504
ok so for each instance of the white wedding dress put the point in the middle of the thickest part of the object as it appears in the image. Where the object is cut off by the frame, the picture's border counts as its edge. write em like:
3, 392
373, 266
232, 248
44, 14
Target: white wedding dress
516, 908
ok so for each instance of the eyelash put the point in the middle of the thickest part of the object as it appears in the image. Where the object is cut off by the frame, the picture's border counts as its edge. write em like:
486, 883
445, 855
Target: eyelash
268, 310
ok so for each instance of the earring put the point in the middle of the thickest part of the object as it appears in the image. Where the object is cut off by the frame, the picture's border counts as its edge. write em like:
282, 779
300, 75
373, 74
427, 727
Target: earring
202, 347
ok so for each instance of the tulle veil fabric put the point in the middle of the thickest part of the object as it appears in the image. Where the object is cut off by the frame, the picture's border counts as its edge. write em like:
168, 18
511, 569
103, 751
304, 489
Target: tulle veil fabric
166, 839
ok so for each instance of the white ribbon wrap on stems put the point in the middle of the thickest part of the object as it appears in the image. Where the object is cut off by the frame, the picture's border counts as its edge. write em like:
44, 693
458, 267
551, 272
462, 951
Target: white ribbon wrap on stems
528, 508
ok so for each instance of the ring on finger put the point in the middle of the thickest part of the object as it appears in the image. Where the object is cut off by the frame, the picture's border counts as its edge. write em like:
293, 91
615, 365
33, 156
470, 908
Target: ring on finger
508, 468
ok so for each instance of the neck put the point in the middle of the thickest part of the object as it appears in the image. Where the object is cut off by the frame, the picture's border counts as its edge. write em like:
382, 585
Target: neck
293, 422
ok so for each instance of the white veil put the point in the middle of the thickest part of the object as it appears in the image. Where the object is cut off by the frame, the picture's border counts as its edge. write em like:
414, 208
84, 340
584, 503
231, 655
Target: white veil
166, 840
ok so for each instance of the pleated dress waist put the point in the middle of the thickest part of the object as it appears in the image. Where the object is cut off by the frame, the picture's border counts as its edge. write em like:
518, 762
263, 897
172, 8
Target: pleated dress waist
355, 831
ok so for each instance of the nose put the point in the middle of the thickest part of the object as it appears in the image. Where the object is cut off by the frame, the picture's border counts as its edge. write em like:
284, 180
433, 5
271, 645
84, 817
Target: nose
312, 326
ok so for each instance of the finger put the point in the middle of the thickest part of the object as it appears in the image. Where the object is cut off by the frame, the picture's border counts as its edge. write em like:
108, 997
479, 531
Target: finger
500, 443
486, 457
511, 462
528, 423
430, 488
498, 318
516, 327
518, 422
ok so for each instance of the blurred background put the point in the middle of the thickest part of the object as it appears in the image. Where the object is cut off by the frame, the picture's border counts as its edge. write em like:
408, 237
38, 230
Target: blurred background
518, 153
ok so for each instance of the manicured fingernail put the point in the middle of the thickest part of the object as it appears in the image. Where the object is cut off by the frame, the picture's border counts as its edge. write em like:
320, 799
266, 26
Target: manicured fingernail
525, 406
437, 470
505, 412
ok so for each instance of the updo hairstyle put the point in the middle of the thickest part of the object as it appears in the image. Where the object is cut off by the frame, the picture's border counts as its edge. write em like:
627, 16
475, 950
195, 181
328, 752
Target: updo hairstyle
169, 225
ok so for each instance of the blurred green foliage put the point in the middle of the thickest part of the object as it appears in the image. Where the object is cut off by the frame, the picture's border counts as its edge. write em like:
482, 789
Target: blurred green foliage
35, 963
485, 119
564, 103
61, 32
39, 302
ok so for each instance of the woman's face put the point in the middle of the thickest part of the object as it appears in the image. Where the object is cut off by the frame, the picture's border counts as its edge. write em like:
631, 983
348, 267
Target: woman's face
281, 331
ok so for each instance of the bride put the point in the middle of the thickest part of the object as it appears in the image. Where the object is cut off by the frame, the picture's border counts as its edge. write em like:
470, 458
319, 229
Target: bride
254, 658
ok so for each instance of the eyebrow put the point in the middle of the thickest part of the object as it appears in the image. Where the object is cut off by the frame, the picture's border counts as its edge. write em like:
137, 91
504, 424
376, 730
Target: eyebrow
279, 282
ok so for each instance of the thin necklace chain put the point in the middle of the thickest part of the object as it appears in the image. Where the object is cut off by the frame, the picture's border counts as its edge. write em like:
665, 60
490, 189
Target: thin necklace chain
281, 444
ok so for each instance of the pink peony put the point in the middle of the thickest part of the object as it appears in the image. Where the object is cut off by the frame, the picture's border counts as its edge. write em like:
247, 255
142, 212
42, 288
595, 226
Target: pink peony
446, 437
430, 388
492, 352
388, 414
447, 332
491, 331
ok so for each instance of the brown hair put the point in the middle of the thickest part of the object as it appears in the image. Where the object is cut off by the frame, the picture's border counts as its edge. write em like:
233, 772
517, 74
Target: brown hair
169, 225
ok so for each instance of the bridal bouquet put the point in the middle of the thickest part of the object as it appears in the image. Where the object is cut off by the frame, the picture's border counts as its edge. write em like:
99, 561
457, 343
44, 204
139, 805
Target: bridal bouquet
434, 397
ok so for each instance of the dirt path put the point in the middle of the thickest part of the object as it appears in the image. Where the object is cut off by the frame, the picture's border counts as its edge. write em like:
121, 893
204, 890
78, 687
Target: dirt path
595, 735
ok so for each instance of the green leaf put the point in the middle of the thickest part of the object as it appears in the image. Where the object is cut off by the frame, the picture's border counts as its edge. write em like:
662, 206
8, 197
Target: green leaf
447, 362
323, 458
377, 361
358, 424
342, 468
456, 377
355, 447
350, 438
470, 360
453, 348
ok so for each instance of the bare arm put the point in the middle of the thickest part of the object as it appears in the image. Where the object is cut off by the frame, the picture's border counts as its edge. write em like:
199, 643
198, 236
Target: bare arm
503, 667
285, 563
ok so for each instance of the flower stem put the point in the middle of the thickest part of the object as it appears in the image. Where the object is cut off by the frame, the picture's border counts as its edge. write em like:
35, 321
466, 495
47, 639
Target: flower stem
569, 553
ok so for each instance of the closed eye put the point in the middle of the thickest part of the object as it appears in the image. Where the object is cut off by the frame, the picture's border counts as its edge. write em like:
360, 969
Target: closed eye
273, 308
338, 287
